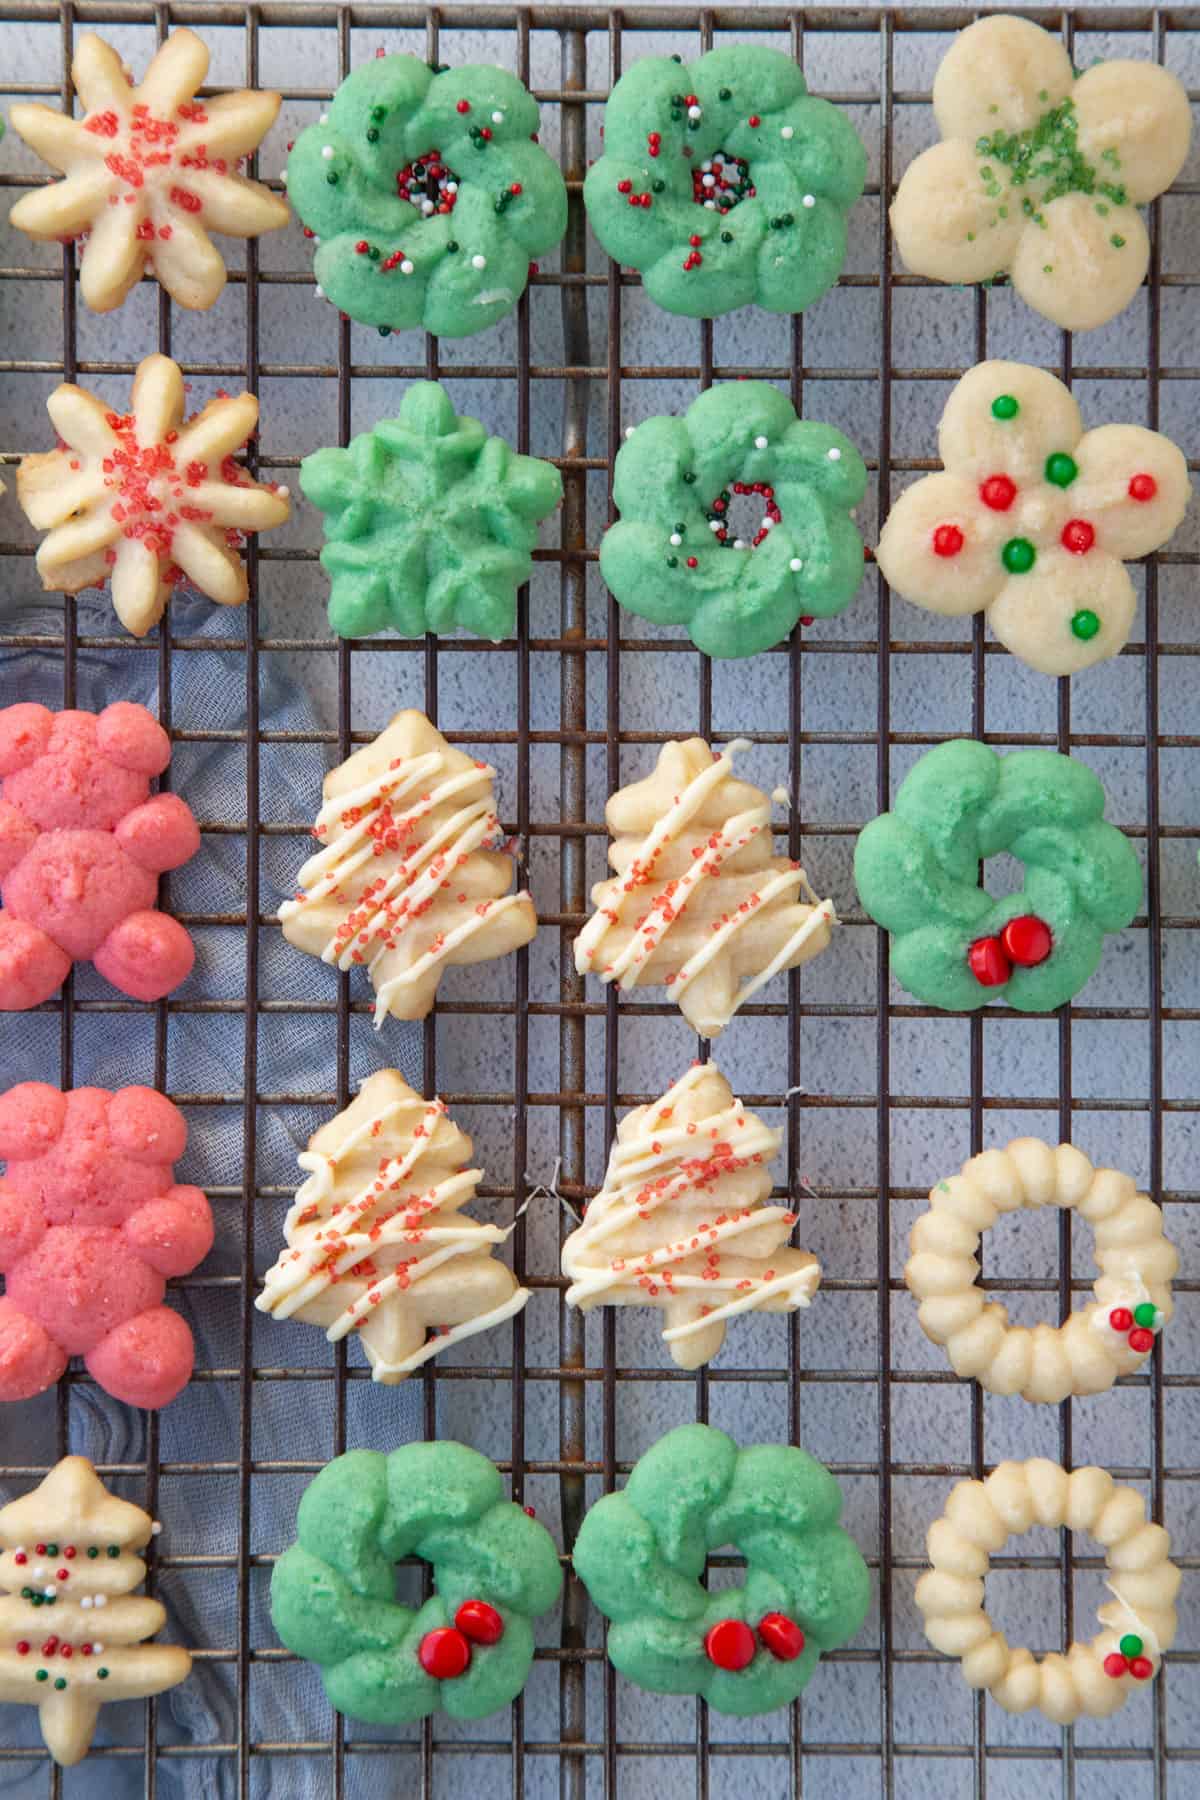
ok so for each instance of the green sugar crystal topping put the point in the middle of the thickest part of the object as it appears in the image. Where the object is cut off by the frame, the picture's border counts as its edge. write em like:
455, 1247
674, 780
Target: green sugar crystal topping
1046, 158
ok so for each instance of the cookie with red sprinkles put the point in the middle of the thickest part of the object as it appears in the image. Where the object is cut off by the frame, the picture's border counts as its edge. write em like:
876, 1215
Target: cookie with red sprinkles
725, 182
427, 194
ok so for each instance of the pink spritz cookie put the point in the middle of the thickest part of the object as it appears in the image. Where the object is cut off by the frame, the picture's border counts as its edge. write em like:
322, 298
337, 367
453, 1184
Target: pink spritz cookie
91, 1224
82, 844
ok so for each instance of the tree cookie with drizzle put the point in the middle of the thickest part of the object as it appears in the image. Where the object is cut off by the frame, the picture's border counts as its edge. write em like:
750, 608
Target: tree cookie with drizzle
1040, 172
427, 194
725, 182
406, 881
699, 904
376, 1243
683, 1221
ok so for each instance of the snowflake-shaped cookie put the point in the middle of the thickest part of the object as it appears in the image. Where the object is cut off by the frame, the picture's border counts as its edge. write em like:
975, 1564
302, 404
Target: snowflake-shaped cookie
146, 497
429, 522
1033, 517
1039, 174
147, 169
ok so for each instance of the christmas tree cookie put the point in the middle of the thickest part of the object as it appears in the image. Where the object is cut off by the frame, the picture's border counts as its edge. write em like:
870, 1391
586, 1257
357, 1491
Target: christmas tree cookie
699, 905
377, 1244
405, 882
72, 1630
429, 522
683, 1221
427, 193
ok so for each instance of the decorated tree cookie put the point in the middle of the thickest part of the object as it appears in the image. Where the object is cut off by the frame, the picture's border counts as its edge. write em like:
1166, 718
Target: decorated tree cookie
677, 555
429, 523
405, 882
725, 182
72, 1630
683, 1221
428, 194
467, 1650
916, 867
376, 1242
641, 1554
1033, 517
150, 170
147, 498
699, 905
1040, 172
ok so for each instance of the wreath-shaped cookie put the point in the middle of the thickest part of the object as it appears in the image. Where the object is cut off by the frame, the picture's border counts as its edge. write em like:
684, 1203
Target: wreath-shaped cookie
641, 1554
725, 182
467, 1650
675, 555
428, 193
1138, 1623
1111, 1336
916, 868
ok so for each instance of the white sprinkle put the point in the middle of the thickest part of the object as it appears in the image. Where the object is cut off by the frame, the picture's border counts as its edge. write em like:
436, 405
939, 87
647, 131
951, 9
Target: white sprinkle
714, 524
86, 1602
834, 455
427, 207
283, 176
406, 267
710, 205
739, 543
327, 152
760, 443
283, 491
795, 565
319, 292
694, 112
676, 539
787, 132
781, 797
478, 262
324, 119
157, 1525
766, 524
48, 1591
19, 1550
709, 181
809, 200
100, 1600
97, 1646
315, 238
497, 118
39, 1574
705, 167
629, 430
452, 187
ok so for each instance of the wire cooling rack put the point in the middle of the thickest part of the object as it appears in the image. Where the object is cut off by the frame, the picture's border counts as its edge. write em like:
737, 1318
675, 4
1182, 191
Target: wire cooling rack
881, 1718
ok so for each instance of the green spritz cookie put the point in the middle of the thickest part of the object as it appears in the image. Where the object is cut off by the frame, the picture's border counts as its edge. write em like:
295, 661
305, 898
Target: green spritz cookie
724, 181
641, 1555
681, 485
917, 866
467, 1651
427, 195
429, 522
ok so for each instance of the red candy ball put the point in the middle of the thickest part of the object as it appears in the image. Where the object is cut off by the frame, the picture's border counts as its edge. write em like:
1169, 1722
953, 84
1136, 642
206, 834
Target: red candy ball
1115, 1665
989, 965
1026, 941
479, 1622
444, 1653
730, 1644
1141, 1668
1143, 487
1120, 1318
1141, 1340
781, 1636
1078, 536
947, 540
998, 492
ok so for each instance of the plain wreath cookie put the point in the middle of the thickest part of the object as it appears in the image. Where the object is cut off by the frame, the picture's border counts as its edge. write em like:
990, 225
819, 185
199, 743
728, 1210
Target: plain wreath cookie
428, 195
1111, 1336
1040, 173
468, 1649
1033, 518
641, 1554
1093, 1679
735, 520
917, 872
150, 170
725, 182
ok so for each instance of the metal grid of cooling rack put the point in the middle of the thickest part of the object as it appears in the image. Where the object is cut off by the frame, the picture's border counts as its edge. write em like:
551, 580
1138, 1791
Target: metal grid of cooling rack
598, 1760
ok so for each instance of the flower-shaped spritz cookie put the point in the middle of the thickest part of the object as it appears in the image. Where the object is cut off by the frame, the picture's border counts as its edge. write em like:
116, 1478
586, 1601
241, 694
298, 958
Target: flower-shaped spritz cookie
147, 169
429, 522
1039, 174
146, 497
683, 1221
698, 904
1032, 518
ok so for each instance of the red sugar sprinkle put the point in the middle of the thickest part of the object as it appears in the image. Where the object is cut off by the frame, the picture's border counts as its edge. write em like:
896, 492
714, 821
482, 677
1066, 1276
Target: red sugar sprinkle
754, 119
462, 106
1143, 487
947, 540
691, 562
998, 492
1078, 536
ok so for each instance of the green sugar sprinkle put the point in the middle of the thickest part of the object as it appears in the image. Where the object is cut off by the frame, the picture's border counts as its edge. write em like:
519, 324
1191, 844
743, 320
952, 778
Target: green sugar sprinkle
1047, 158
1117, 242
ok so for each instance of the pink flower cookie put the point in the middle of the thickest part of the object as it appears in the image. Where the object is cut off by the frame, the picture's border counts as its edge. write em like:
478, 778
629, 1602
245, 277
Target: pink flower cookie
82, 843
1033, 518
91, 1224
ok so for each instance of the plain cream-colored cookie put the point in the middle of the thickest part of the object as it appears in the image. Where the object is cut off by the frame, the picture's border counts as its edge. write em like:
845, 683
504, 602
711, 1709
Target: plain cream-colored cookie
1039, 174
1110, 1336
1137, 1624
699, 904
1033, 518
150, 170
72, 1630
405, 882
376, 1243
683, 1221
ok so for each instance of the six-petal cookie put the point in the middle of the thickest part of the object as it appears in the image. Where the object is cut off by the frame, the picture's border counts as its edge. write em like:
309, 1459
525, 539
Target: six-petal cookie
1033, 518
147, 169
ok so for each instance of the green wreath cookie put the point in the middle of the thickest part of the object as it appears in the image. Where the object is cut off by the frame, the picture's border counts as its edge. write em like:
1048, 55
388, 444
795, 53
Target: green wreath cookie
427, 195
916, 868
467, 1651
725, 182
674, 555
429, 522
641, 1554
